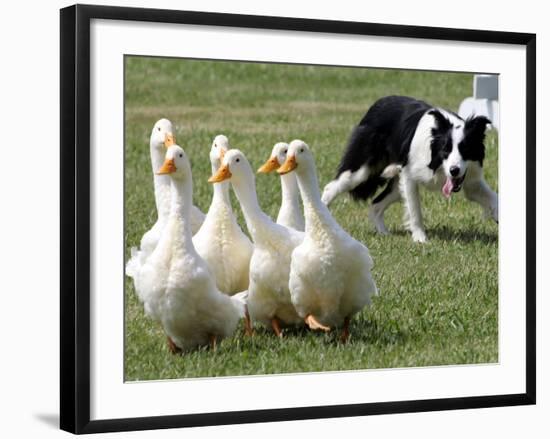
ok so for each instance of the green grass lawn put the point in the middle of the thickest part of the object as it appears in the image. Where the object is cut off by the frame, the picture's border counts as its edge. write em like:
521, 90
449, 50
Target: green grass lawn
438, 302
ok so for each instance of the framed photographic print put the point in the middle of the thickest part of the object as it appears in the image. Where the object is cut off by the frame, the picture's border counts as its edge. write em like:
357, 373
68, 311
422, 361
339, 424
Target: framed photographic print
233, 191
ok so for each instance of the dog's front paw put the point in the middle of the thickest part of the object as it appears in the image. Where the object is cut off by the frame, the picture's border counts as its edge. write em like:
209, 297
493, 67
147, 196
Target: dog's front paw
329, 193
419, 236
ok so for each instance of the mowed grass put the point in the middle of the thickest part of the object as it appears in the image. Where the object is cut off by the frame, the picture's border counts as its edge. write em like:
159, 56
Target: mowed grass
438, 302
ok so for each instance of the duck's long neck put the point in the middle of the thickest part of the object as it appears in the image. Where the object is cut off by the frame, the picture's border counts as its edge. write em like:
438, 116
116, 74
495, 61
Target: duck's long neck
290, 194
221, 191
316, 213
258, 223
161, 183
180, 209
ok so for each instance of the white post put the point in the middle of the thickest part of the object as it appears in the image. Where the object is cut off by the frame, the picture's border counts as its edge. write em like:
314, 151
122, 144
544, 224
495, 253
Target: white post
484, 101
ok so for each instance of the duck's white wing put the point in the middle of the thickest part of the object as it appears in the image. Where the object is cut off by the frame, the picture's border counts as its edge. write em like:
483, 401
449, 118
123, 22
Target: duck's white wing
362, 253
147, 245
226, 249
361, 282
151, 280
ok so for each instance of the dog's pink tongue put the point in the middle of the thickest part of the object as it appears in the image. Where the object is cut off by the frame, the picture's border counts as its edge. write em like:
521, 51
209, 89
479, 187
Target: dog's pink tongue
447, 188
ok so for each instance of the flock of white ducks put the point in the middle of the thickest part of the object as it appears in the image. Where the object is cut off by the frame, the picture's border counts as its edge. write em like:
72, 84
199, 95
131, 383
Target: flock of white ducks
198, 275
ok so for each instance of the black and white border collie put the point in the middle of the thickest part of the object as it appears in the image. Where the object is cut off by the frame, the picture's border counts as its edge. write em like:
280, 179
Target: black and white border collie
402, 142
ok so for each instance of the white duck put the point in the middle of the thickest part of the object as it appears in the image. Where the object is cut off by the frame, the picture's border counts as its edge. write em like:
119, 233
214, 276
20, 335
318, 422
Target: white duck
268, 298
161, 138
290, 213
220, 240
178, 288
330, 272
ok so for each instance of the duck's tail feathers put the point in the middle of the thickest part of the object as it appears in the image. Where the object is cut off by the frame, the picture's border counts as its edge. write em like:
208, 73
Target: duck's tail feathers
240, 302
134, 263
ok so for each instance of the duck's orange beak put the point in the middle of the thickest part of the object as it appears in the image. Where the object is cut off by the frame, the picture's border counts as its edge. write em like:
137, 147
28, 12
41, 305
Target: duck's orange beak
168, 167
269, 166
288, 166
169, 140
221, 174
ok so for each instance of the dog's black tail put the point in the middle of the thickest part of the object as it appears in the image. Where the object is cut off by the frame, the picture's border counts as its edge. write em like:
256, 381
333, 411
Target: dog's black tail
363, 149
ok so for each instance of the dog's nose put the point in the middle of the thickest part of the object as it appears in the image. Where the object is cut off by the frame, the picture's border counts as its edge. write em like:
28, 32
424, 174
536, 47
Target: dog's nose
455, 170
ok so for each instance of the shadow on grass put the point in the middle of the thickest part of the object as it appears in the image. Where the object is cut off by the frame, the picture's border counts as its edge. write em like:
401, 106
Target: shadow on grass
372, 333
447, 234
361, 330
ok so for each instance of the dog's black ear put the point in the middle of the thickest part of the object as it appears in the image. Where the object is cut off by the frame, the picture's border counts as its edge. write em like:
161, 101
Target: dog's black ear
476, 125
442, 122
472, 147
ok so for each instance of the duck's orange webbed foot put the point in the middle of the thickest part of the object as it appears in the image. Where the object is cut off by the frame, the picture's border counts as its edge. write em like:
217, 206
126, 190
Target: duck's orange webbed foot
314, 324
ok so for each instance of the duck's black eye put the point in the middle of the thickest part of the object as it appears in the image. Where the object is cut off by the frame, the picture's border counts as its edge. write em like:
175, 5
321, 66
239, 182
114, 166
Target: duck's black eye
301, 149
158, 128
215, 145
181, 155
286, 151
238, 160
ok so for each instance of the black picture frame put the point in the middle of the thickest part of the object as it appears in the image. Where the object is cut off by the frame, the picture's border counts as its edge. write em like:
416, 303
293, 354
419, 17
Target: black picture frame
75, 217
